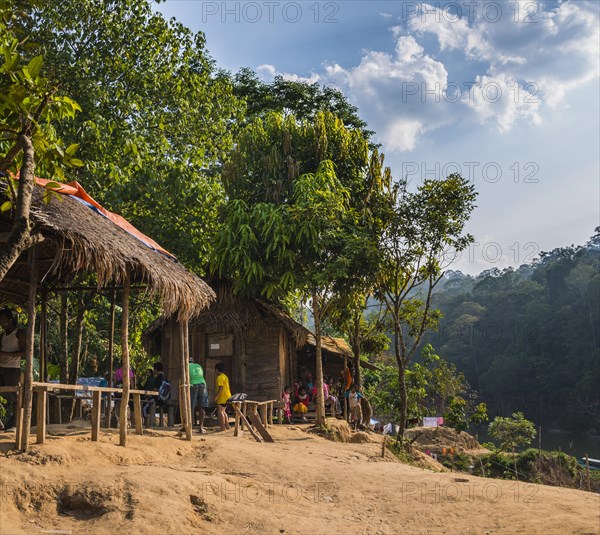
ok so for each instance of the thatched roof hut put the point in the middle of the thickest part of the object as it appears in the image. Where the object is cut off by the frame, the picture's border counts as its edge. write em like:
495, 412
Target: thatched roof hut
80, 237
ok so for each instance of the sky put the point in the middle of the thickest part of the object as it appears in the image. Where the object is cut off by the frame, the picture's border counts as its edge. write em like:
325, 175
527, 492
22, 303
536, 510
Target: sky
506, 93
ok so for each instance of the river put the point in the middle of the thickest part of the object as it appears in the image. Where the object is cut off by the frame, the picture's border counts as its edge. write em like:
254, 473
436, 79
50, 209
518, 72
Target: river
576, 445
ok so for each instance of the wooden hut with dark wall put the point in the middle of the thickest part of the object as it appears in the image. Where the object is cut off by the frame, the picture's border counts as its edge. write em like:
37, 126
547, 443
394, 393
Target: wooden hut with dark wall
262, 348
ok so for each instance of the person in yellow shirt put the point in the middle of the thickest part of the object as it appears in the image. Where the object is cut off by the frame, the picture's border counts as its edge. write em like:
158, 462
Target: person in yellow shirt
222, 395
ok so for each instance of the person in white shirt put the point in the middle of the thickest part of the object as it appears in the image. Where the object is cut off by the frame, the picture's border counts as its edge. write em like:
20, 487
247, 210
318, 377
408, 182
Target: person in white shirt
12, 350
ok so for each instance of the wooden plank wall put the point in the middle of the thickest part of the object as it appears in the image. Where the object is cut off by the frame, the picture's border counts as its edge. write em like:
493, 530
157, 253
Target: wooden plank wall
263, 373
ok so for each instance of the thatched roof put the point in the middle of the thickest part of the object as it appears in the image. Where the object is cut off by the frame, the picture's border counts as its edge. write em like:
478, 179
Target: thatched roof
233, 313
79, 239
237, 314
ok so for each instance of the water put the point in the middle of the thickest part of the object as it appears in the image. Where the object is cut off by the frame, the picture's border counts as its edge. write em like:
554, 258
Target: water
575, 445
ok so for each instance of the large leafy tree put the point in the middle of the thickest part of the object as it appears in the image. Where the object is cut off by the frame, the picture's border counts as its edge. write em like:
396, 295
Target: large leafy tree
157, 116
298, 216
301, 99
422, 226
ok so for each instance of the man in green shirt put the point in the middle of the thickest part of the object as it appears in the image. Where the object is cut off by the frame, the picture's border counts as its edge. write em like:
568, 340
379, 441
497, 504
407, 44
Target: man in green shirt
198, 392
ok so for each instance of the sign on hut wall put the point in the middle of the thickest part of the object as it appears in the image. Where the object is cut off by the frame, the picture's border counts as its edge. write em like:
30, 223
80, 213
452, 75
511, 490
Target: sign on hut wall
220, 344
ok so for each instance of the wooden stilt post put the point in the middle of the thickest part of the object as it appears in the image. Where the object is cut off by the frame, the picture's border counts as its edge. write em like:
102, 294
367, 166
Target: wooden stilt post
19, 417
344, 388
111, 350
42, 396
125, 361
137, 408
29, 348
184, 407
96, 414
43, 330
191, 417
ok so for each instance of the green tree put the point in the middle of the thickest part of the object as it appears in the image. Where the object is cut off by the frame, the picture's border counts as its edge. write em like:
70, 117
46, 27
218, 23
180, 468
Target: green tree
288, 228
157, 115
422, 226
303, 100
512, 433
30, 109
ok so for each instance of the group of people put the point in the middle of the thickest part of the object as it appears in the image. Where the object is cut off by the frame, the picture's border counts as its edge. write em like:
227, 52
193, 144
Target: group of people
156, 379
305, 392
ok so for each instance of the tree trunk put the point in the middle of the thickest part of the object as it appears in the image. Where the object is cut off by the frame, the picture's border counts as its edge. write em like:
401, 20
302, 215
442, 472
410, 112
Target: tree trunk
403, 399
401, 380
357, 372
320, 401
20, 235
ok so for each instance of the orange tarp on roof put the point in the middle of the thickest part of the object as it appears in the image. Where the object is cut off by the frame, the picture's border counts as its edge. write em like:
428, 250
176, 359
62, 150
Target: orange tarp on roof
75, 189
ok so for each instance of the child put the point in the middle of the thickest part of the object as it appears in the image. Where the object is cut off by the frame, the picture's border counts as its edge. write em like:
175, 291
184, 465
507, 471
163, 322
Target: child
355, 410
287, 403
302, 405
222, 395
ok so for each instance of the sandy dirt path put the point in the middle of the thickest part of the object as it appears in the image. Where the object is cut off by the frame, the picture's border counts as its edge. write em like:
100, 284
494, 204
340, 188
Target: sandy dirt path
301, 484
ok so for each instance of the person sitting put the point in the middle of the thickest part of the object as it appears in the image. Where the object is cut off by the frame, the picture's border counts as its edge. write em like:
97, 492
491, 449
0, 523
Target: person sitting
310, 386
329, 397
302, 402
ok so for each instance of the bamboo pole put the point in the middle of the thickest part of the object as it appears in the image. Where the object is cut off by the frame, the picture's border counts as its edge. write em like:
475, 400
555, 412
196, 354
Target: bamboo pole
125, 362
184, 407
29, 348
111, 351
186, 335
344, 387
43, 335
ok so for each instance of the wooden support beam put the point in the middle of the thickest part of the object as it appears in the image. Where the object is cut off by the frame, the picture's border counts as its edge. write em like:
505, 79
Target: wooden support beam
111, 351
29, 348
96, 415
184, 406
236, 429
263, 414
243, 419
125, 361
186, 348
255, 420
19, 417
137, 407
42, 397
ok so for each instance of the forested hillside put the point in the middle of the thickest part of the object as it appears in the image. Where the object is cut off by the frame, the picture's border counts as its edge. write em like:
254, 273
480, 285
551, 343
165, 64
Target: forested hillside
527, 338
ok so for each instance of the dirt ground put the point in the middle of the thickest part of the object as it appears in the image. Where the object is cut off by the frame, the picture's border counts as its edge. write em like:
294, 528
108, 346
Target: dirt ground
301, 484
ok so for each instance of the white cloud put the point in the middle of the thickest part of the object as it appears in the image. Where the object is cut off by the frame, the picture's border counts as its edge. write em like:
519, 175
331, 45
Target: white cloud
268, 72
526, 63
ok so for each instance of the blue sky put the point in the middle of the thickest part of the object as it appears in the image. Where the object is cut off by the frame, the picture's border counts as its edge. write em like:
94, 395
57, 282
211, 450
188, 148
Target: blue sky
505, 92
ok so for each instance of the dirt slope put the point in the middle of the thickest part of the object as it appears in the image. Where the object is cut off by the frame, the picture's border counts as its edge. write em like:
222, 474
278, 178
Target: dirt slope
301, 484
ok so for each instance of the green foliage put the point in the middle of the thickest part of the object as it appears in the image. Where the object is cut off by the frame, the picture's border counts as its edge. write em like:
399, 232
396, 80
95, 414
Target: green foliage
31, 105
527, 338
512, 433
157, 116
300, 99
434, 388
296, 215
455, 415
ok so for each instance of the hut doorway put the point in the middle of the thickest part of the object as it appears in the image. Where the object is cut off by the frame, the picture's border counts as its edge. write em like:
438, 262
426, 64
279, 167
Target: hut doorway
219, 349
